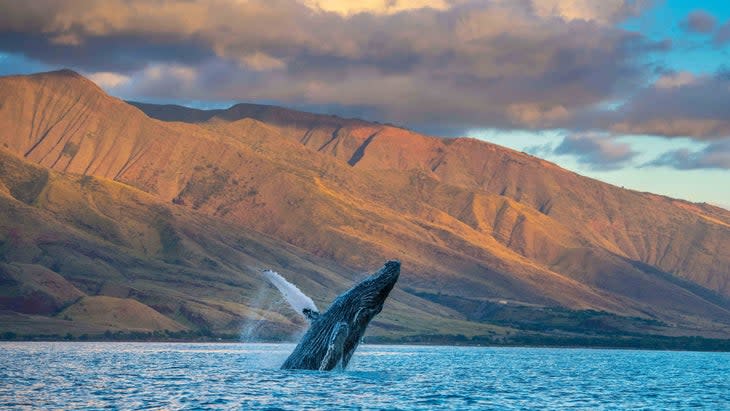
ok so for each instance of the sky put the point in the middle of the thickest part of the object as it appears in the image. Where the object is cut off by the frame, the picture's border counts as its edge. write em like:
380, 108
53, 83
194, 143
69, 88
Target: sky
632, 92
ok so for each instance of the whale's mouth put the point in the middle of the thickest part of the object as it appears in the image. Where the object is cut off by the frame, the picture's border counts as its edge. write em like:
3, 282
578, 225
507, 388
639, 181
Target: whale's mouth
383, 280
390, 271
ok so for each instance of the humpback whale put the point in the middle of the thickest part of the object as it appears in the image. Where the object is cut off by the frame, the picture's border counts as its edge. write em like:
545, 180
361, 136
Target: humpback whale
334, 335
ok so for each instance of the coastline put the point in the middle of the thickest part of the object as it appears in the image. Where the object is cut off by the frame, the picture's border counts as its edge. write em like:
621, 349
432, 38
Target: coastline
645, 342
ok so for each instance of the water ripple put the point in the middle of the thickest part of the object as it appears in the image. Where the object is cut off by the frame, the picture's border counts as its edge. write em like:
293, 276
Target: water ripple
246, 376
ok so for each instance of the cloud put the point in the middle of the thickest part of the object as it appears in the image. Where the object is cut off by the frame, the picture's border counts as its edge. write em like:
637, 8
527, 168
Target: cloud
258, 61
722, 35
699, 21
347, 7
676, 79
451, 66
715, 156
597, 152
109, 80
534, 115
676, 105
604, 11
162, 78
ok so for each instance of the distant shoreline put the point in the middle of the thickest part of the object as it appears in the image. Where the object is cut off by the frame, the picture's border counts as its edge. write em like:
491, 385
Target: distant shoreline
650, 342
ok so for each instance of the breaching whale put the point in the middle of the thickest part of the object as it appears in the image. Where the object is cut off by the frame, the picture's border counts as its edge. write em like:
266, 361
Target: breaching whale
334, 335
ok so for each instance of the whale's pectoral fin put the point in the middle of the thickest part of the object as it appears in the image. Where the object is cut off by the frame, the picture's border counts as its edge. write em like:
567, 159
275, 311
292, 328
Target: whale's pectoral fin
310, 314
333, 357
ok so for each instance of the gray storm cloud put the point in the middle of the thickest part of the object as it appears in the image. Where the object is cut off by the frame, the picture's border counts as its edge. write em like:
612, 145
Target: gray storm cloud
597, 152
677, 105
445, 66
715, 156
458, 65
699, 21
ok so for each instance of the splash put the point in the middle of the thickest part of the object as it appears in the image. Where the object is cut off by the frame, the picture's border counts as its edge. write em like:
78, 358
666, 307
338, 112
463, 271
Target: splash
256, 327
293, 295
262, 302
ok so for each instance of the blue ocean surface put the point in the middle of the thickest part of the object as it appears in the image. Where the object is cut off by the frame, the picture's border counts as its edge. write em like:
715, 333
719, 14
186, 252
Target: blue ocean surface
78, 375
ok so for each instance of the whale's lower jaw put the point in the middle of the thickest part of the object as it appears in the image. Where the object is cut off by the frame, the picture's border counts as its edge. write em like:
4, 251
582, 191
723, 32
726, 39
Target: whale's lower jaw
334, 335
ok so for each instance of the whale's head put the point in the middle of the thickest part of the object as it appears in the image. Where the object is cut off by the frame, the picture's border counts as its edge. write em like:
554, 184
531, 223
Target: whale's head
370, 294
357, 306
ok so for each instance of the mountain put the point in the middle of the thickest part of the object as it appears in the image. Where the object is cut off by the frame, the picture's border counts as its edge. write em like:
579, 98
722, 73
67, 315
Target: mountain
164, 214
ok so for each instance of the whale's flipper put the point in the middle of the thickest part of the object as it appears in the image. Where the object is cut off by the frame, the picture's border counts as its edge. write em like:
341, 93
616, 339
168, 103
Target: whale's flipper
293, 295
333, 357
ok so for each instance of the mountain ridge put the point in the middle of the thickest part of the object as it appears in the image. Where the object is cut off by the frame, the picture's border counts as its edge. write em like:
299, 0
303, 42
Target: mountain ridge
185, 114
702, 210
469, 219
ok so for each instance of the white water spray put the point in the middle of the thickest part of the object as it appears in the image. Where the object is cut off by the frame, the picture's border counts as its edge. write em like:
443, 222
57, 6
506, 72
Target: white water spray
263, 301
293, 295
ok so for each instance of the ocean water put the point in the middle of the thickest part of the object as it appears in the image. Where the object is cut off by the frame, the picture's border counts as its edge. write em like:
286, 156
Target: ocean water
75, 375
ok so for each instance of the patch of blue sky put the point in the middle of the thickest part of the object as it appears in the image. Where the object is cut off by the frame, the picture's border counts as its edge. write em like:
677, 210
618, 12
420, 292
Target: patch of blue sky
693, 52
197, 104
12, 63
702, 185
